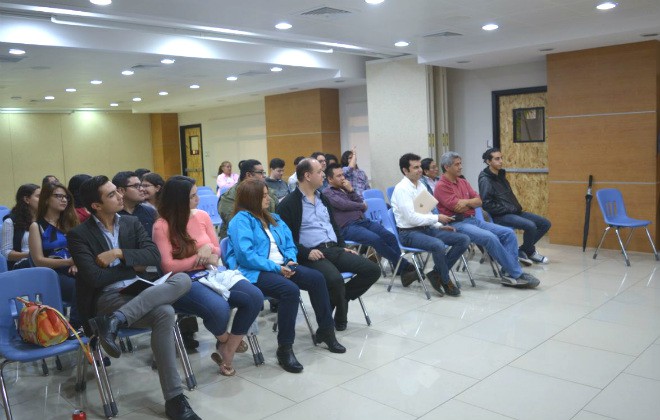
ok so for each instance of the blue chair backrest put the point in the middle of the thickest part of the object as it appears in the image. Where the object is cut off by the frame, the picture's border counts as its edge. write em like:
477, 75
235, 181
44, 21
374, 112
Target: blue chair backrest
35, 284
373, 193
203, 190
209, 203
611, 204
224, 190
390, 191
3, 212
376, 210
391, 226
3, 264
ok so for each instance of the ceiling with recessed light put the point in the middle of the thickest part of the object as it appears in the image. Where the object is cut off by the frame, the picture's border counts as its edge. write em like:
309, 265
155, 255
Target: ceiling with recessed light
68, 44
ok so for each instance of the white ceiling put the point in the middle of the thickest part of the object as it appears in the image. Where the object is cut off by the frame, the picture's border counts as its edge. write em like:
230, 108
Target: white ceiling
69, 43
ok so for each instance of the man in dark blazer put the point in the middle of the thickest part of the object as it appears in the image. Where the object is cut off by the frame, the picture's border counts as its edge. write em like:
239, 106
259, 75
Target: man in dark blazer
109, 250
320, 244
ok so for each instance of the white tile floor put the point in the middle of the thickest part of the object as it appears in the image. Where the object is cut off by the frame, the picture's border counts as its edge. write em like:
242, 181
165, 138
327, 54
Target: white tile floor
585, 345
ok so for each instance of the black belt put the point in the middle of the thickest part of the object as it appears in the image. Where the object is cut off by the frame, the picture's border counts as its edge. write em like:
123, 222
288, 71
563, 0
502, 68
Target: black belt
413, 228
326, 245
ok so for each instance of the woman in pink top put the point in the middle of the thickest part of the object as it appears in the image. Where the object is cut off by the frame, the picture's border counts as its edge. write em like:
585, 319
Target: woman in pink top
226, 179
188, 243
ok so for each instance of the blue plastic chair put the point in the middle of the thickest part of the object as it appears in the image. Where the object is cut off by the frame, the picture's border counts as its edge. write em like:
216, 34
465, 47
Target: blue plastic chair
373, 193
35, 284
204, 190
611, 205
3, 212
3, 264
390, 191
209, 203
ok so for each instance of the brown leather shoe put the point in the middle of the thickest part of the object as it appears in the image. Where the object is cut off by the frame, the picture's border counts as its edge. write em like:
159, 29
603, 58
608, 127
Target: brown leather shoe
408, 277
436, 281
450, 289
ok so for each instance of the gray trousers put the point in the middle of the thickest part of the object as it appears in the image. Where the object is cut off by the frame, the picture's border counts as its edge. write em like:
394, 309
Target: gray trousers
152, 309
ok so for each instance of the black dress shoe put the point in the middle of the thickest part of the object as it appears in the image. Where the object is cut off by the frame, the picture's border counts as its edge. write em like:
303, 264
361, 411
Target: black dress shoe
177, 408
341, 326
287, 359
409, 276
327, 336
189, 342
105, 328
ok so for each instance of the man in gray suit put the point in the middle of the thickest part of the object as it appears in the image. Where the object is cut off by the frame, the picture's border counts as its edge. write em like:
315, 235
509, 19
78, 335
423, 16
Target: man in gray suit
109, 251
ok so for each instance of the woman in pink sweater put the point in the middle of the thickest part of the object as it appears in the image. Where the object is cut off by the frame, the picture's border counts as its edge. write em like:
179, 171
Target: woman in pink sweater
188, 243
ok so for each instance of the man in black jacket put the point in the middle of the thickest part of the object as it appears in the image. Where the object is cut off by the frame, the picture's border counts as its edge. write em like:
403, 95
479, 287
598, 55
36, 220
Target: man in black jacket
109, 250
503, 206
320, 244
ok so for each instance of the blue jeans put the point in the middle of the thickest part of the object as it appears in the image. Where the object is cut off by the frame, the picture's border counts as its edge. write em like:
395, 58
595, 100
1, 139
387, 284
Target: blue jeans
214, 309
532, 225
287, 291
500, 242
436, 241
373, 234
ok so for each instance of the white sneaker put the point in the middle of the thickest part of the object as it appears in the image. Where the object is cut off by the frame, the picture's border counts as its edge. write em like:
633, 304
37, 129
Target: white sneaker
538, 258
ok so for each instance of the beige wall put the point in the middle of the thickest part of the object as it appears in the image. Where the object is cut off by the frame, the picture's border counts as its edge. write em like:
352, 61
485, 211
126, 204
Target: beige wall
33, 145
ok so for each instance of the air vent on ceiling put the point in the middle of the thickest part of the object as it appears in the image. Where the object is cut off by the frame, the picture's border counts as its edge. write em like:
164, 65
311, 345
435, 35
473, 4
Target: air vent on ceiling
145, 66
325, 13
442, 34
10, 59
254, 73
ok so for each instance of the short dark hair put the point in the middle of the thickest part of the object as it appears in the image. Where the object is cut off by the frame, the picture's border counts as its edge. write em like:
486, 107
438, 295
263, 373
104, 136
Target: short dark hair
276, 163
426, 164
47, 179
298, 159
488, 154
345, 157
247, 166
89, 191
140, 172
302, 168
317, 154
404, 161
330, 156
121, 178
74, 186
329, 170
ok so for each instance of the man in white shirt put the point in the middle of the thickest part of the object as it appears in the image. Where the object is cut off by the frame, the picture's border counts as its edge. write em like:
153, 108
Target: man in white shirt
429, 232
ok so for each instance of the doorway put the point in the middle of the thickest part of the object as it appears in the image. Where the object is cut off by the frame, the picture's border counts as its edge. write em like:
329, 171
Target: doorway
192, 152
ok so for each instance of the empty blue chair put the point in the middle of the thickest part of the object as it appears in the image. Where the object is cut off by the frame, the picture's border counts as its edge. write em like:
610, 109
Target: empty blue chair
35, 284
373, 193
611, 205
209, 203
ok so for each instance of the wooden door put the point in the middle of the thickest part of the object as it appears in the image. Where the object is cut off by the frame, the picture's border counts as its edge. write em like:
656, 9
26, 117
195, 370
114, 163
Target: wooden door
192, 152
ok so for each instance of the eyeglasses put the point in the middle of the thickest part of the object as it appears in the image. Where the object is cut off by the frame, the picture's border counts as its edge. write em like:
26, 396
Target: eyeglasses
136, 186
145, 185
61, 197
262, 173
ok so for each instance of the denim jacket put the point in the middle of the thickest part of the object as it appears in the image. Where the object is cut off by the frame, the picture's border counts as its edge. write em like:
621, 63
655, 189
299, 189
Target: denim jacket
249, 245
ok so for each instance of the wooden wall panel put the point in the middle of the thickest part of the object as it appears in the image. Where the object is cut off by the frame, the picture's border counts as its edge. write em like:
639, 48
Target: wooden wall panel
531, 191
620, 78
611, 147
295, 112
166, 148
568, 206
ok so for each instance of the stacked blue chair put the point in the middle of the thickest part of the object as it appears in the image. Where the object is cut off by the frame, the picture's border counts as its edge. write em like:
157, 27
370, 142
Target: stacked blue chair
373, 193
610, 201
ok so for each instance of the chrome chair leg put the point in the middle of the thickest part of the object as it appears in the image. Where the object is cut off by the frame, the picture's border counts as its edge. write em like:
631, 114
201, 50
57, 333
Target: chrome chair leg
419, 268
309, 324
648, 235
602, 238
466, 268
191, 382
623, 249
5, 397
398, 264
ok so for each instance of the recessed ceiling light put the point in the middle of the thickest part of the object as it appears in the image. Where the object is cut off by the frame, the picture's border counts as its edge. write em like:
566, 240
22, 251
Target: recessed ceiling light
167, 61
163, 93
16, 51
374, 1
606, 6
232, 78
401, 44
49, 98
283, 26
114, 104
101, 2
194, 86
490, 27
137, 99
96, 82
128, 72
70, 89
275, 69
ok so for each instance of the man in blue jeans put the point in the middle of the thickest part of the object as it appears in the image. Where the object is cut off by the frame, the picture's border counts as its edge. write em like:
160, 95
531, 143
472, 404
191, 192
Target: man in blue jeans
430, 232
457, 199
503, 206
348, 211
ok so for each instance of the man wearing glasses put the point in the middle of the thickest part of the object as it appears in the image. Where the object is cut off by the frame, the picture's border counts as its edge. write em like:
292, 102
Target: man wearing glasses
248, 169
129, 186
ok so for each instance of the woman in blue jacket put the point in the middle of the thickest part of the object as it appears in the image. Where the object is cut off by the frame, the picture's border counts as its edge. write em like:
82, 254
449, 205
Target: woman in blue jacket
261, 247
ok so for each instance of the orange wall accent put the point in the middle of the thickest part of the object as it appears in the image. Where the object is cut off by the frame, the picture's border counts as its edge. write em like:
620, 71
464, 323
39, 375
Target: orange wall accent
603, 120
301, 123
165, 144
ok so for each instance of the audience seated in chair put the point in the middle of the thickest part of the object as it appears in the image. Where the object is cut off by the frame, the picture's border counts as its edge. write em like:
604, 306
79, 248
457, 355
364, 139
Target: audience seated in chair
130, 187
16, 225
109, 251
74, 186
429, 232
348, 209
292, 182
188, 243
274, 182
320, 244
48, 241
356, 176
503, 207
226, 179
261, 246
151, 186
457, 199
